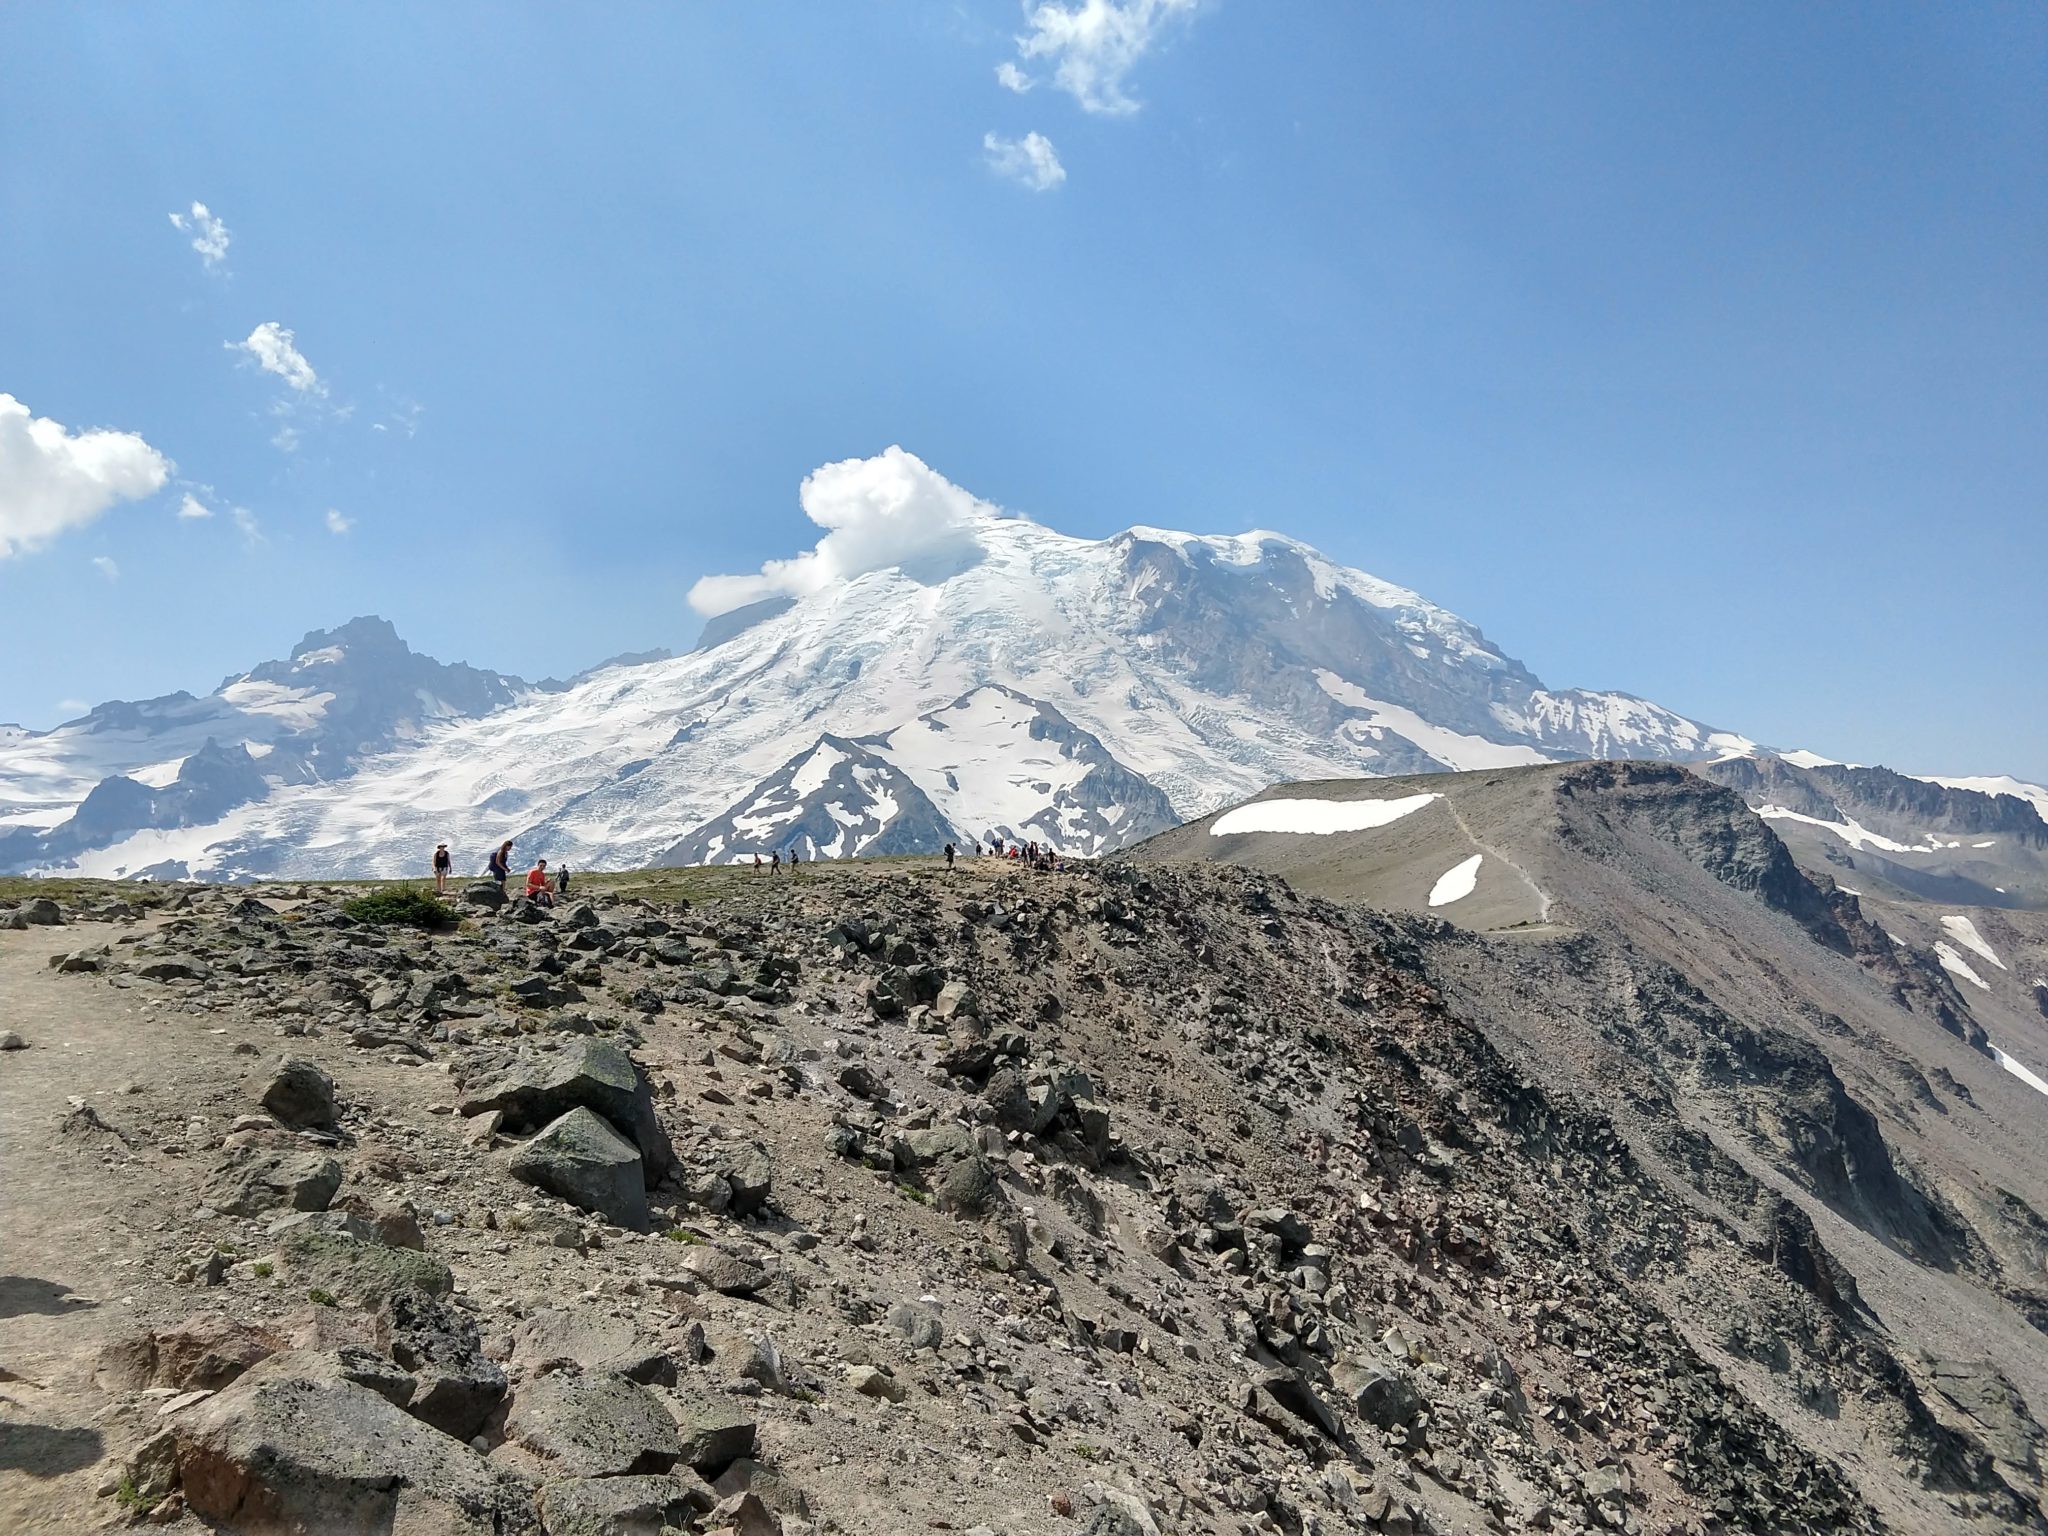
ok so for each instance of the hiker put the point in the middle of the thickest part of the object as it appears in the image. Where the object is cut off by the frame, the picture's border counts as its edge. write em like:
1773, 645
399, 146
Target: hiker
758, 865
949, 855
794, 861
500, 866
442, 864
775, 863
562, 881
537, 890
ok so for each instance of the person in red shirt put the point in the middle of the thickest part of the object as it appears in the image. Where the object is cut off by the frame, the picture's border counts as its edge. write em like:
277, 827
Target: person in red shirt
537, 884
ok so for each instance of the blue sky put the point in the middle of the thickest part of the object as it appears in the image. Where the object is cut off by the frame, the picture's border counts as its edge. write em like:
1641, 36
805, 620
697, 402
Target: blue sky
1699, 351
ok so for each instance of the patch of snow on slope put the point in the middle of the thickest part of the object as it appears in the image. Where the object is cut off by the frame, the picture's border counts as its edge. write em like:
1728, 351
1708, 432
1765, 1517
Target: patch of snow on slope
1452, 748
1854, 833
1956, 965
2018, 1071
1457, 882
300, 709
1805, 759
1965, 933
1316, 818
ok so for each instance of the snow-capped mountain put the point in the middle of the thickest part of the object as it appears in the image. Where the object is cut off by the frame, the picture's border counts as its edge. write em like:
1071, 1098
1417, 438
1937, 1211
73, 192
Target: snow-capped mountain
934, 669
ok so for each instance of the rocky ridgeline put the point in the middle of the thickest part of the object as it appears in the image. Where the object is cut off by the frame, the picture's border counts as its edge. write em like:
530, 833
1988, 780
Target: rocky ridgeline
877, 1201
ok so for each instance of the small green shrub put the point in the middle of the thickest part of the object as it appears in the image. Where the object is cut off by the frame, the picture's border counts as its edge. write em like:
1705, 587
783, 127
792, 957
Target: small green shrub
323, 1298
405, 907
127, 1495
264, 1269
912, 1192
681, 1235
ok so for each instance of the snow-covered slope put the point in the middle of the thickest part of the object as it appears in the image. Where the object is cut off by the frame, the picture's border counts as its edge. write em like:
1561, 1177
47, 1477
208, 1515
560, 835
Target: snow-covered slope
1078, 692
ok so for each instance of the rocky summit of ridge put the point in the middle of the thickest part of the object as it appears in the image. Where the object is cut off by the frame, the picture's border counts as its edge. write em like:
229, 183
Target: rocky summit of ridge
1082, 693
1158, 1196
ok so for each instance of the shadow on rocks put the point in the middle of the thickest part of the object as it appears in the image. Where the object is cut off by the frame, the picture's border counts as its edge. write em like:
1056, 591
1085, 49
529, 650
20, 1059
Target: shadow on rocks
43, 1450
21, 1295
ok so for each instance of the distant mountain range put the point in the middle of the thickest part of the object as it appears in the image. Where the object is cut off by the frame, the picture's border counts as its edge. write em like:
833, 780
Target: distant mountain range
1030, 686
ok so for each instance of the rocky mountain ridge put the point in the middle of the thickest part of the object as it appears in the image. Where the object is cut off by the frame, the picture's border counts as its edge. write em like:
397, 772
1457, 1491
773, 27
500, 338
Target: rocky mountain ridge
1156, 1197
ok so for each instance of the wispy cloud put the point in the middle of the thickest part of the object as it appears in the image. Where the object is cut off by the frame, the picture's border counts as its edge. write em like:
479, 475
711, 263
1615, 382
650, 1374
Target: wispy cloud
53, 479
337, 524
210, 237
105, 565
1091, 45
1011, 78
192, 508
275, 350
245, 520
285, 439
71, 707
1030, 161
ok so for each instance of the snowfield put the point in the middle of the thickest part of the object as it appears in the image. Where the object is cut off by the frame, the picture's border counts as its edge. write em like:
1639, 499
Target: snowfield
1965, 933
1316, 818
1457, 882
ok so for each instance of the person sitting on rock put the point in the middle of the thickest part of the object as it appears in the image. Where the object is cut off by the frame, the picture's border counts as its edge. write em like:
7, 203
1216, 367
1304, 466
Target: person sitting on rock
537, 884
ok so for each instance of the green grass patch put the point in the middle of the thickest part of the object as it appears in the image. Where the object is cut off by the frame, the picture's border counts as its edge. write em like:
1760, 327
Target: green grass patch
912, 1192
263, 1269
323, 1298
404, 907
682, 1235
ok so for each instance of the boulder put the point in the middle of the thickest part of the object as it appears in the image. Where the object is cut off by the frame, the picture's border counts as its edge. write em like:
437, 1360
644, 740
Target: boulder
455, 1388
726, 1273
300, 1095
594, 1426
324, 1254
485, 894
593, 1343
1382, 1396
294, 1446
959, 1177
750, 1176
713, 1432
597, 1075
205, 1352
581, 1158
40, 912
252, 1180
621, 1506
956, 998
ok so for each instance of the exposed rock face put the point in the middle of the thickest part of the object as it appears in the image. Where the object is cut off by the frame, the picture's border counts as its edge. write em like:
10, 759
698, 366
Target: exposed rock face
532, 1091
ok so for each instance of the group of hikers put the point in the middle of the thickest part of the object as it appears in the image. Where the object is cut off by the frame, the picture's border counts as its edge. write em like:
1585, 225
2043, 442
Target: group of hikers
541, 887
1031, 855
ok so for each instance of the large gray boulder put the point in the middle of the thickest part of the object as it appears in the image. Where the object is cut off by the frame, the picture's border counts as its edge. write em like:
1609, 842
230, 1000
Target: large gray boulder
455, 1388
593, 1343
621, 1506
584, 1160
950, 1161
299, 1094
293, 1446
252, 1180
596, 1075
593, 1426
325, 1254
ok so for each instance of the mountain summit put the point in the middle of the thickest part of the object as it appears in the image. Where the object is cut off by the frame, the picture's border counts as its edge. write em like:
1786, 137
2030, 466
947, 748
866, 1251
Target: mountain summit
932, 669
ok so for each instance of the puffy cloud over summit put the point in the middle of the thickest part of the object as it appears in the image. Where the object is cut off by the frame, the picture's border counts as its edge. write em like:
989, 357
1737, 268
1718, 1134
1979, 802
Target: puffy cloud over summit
890, 511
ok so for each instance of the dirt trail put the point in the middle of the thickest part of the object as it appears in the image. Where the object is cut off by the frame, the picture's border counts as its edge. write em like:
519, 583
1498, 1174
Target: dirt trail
76, 1203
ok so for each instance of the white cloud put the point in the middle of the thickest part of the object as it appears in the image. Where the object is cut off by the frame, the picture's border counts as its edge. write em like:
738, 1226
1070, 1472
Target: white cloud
1030, 161
1011, 78
1093, 44
275, 350
52, 479
245, 520
105, 566
192, 507
209, 236
69, 707
285, 439
336, 523
890, 511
